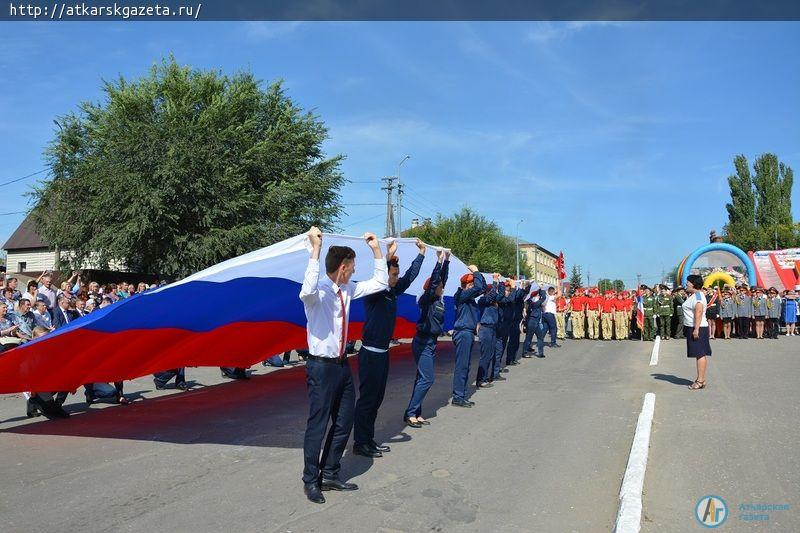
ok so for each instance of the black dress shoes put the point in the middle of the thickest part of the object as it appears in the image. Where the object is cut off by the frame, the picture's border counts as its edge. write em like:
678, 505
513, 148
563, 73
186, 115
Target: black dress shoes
503, 370
366, 451
313, 493
540, 355
335, 484
380, 447
33, 410
411, 424
458, 402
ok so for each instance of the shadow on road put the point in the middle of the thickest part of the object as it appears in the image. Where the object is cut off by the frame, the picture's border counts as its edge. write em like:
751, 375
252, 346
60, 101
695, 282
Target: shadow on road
672, 379
268, 410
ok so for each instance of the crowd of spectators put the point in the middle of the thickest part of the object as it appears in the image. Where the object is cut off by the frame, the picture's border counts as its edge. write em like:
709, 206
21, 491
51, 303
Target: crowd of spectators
43, 308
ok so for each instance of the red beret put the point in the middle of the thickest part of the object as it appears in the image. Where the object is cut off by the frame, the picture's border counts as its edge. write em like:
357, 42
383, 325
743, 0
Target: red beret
467, 278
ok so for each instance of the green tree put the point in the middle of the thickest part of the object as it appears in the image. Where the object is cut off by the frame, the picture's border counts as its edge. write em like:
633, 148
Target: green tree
618, 285
760, 212
474, 239
575, 279
604, 285
182, 169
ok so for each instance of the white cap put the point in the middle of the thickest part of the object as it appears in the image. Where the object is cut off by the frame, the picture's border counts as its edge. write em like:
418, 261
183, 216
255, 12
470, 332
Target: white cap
534, 287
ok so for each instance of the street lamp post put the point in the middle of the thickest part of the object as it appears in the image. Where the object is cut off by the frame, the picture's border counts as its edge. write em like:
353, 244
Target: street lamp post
399, 229
517, 232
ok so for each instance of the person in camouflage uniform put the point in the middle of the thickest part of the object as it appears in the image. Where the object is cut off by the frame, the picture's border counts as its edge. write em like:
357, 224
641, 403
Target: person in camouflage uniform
678, 297
649, 305
664, 311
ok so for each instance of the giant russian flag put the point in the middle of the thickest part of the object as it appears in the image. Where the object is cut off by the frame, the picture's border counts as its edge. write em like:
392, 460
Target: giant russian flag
236, 313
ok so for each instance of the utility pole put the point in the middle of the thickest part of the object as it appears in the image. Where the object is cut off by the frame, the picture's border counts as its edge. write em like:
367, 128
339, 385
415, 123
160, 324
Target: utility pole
400, 197
399, 209
638, 281
389, 188
588, 278
536, 263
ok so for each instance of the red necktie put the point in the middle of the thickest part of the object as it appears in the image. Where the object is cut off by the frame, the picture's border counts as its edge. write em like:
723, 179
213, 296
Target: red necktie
344, 326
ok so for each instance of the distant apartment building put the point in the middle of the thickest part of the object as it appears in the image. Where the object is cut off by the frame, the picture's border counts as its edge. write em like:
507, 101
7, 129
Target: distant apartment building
541, 261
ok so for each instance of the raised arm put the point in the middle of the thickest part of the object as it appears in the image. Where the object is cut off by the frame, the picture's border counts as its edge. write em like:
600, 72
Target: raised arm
413, 271
380, 276
445, 267
478, 285
309, 292
436, 277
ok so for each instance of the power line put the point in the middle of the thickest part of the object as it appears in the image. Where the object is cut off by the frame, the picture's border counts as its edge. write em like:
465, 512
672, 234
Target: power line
414, 212
362, 221
12, 213
22, 178
349, 205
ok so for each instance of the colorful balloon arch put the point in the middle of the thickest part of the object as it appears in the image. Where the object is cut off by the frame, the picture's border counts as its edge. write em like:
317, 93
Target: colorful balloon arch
685, 268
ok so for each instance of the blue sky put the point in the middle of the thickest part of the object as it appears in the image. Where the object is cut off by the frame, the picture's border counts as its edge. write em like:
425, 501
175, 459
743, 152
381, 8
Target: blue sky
611, 140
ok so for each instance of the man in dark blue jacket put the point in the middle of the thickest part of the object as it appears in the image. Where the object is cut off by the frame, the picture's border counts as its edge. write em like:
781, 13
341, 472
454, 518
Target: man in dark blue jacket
513, 336
373, 358
472, 286
505, 309
429, 326
487, 330
534, 321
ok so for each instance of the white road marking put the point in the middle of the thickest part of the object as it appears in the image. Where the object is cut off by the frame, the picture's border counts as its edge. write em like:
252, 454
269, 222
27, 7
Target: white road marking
629, 516
654, 353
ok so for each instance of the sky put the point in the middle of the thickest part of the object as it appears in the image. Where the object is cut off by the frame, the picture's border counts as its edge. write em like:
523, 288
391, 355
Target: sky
610, 141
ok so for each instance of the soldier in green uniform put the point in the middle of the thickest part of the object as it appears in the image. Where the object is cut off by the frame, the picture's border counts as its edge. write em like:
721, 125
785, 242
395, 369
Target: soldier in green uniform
664, 310
678, 297
649, 304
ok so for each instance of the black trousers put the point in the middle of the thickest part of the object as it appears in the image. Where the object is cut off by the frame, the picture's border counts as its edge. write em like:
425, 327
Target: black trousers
743, 327
373, 372
331, 396
773, 328
513, 344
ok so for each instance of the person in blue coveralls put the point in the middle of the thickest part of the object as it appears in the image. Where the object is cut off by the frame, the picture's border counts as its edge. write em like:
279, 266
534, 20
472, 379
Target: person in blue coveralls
472, 286
429, 326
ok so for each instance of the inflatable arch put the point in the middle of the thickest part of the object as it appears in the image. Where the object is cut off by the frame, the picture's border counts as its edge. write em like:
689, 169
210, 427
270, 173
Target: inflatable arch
686, 265
714, 277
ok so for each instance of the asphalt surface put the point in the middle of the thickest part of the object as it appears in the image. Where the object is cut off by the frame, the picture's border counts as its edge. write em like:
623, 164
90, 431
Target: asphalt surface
544, 451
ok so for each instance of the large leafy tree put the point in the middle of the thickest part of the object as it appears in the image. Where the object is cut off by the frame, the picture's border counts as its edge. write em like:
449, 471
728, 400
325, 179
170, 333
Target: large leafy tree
183, 168
760, 211
474, 239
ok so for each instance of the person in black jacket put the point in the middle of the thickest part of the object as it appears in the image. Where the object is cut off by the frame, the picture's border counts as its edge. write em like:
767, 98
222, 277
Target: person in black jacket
373, 358
513, 336
429, 326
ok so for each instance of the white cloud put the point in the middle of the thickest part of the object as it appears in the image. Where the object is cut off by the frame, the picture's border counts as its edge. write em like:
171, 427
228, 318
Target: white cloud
544, 32
264, 31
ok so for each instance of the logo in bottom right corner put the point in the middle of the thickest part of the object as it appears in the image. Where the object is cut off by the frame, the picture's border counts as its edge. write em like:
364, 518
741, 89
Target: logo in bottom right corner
711, 511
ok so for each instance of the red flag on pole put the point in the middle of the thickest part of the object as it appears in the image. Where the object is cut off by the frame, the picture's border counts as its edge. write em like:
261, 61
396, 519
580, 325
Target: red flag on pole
562, 272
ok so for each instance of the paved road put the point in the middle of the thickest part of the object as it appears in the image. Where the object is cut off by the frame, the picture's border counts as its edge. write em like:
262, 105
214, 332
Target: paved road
544, 451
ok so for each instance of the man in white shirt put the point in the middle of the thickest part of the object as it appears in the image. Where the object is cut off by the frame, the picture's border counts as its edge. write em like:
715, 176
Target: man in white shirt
331, 394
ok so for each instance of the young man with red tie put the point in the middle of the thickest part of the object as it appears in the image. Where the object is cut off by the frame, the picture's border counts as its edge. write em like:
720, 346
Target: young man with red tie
331, 394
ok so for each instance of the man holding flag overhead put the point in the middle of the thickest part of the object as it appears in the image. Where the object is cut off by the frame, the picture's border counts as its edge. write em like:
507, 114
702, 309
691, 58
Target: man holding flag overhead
373, 358
331, 394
